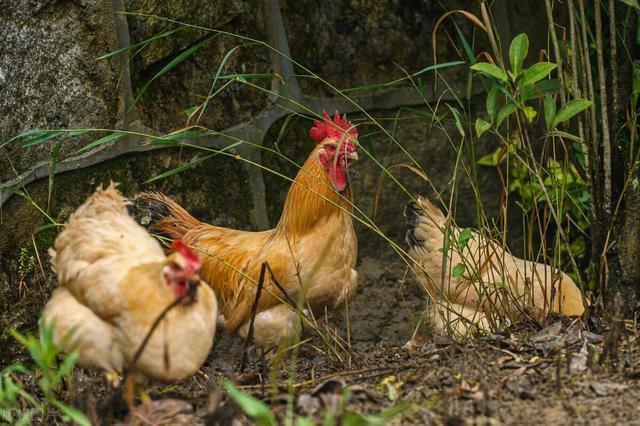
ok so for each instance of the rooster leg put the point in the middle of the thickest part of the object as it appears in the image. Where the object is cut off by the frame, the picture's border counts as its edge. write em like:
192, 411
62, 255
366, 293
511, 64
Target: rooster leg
130, 393
254, 309
112, 383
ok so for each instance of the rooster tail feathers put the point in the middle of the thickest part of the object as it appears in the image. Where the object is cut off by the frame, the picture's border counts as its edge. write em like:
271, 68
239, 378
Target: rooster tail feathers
168, 218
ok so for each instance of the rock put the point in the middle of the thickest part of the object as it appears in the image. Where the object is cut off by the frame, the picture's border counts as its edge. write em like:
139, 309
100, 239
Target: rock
50, 77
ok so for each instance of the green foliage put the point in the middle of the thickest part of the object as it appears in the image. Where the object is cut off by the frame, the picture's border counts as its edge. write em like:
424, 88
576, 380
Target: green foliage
263, 416
44, 353
520, 85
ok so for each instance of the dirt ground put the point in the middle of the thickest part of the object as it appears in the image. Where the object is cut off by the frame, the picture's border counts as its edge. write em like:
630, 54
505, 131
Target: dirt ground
562, 374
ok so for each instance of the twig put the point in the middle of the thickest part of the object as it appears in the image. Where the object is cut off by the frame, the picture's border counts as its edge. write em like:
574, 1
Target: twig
254, 309
556, 49
606, 139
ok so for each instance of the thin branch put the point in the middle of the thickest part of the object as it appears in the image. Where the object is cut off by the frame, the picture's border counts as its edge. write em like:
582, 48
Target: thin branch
604, 112
556, 49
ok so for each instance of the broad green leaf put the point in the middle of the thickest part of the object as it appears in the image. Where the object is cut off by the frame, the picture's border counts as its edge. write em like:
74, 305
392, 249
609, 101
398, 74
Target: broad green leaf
73, 414
569, 110
491, 159
632, 3
549, 109
458, 270
537, 72
529, 112
505, 112
490, 69
257, 410
464, 237
492, 101
518, 51
481, 126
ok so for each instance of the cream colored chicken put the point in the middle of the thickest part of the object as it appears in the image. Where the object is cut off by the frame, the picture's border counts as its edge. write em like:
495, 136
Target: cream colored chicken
494, 285
115, 281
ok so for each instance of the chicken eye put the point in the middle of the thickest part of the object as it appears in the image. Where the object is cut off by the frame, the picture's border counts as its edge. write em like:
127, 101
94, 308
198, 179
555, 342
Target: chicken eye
330, 147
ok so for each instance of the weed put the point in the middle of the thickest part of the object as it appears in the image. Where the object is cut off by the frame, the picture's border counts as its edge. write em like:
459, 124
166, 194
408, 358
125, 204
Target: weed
50, 375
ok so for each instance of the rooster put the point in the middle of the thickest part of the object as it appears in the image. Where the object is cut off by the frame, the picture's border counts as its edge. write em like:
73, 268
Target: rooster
493, 281
115, 282
310, 254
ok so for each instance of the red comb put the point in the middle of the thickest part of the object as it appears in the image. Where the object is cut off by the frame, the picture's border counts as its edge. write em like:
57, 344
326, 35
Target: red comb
332, 128
192, 259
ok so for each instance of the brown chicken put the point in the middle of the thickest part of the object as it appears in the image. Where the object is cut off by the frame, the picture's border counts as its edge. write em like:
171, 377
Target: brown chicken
494, 283
312, 250
115, 281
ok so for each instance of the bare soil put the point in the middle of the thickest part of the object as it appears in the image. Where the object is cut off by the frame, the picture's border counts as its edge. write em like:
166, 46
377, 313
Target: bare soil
566, 373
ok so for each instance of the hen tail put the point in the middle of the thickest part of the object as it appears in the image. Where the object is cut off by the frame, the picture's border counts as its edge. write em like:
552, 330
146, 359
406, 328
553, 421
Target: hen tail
424, 219
168, 218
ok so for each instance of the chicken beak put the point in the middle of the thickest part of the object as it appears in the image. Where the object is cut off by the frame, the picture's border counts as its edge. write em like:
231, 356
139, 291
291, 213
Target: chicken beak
352, 155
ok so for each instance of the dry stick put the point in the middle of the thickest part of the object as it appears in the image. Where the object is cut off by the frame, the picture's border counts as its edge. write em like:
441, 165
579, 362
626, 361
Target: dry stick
556, 48
613, 55
588, 78
254, 309
132, 368
606, 140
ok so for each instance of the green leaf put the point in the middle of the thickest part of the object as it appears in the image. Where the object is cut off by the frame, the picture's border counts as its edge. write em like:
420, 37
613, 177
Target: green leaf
481, 126
458, 270
458, 120
192, 163
549, 109
464, 237
518, 51
490, 69
569, 110
303, 421
632, 3
73, 414
171, 65
537, 72
257, 410
113, 136
565, 135
505, 112
43, 136
529, 113
68, 363
492, 101
491, 159
180, 169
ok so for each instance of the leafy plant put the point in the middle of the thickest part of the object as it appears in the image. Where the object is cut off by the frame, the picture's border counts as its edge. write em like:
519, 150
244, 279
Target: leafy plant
50, 374
520, 86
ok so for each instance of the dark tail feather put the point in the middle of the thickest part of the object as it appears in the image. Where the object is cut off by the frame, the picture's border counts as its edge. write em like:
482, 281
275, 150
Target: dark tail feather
168, 218
412, 213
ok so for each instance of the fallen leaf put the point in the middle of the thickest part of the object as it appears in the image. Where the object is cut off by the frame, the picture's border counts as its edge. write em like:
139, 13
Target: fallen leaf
606, 388
578, 363
469, 389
